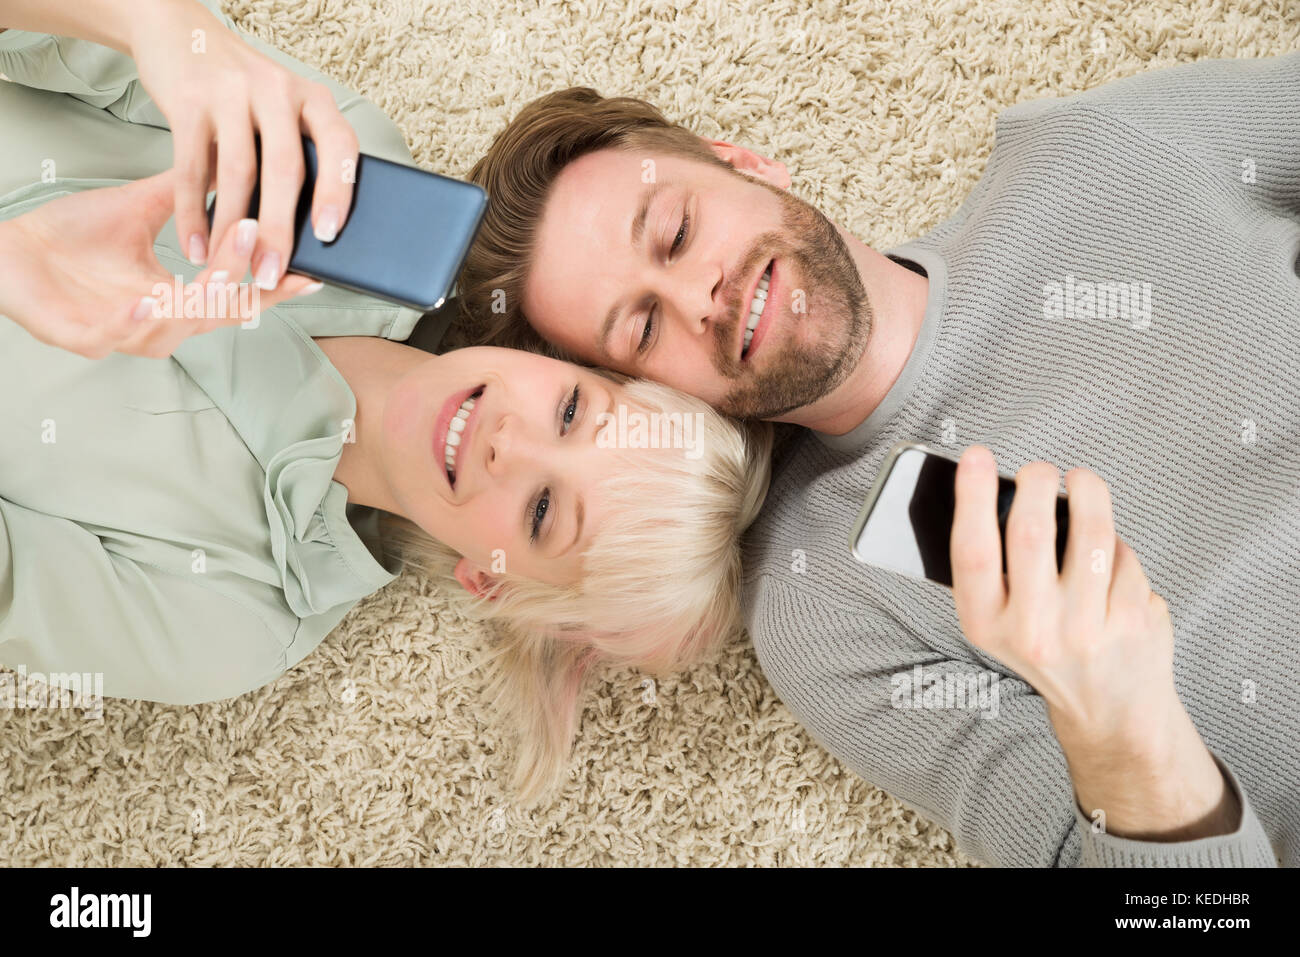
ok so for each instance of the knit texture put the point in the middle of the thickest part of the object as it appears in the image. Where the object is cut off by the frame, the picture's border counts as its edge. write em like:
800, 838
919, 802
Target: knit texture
1119, 291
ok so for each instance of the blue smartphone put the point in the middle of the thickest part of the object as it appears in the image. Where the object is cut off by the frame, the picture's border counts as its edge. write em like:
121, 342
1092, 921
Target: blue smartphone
404, 238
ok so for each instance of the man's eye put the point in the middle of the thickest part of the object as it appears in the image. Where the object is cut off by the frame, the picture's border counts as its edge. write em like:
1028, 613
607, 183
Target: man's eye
539, 510
681, 233
645, 333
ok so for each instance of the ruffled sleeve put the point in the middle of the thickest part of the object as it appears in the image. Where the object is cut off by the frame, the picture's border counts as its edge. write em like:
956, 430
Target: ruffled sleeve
294, 411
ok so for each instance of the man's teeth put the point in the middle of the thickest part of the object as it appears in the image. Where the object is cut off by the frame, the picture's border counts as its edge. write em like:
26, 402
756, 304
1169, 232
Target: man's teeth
756, 308
454, 430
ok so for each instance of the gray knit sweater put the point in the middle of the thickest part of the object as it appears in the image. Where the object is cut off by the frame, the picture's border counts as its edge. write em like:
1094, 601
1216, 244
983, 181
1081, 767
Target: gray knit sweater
1118, 291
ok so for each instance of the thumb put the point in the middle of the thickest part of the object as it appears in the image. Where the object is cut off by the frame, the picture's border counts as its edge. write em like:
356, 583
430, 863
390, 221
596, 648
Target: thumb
151, 200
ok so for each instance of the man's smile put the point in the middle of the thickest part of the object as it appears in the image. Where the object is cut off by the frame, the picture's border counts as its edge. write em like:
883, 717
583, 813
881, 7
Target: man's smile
758, 317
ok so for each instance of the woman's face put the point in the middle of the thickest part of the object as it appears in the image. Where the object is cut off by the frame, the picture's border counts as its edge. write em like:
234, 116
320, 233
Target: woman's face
518, 495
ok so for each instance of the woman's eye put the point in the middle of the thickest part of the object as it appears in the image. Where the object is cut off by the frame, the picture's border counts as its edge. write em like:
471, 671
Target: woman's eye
570, 410
681, 233
540, 509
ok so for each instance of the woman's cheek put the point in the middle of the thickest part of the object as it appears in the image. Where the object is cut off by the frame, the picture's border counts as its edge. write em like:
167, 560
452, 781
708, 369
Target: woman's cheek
486, 535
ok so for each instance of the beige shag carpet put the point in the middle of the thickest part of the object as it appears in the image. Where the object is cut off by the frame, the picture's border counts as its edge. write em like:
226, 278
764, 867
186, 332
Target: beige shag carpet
375, 749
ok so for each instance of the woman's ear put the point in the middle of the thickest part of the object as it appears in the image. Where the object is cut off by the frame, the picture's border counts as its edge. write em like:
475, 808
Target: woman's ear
474, 578
751, 163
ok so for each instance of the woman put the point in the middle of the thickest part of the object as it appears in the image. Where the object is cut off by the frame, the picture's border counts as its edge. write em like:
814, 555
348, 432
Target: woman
193, 526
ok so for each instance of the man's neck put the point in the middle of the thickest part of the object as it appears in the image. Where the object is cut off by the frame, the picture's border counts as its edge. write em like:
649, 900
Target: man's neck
898, 298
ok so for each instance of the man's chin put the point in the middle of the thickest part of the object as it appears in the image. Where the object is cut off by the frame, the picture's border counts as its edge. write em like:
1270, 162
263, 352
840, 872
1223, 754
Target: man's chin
768, 399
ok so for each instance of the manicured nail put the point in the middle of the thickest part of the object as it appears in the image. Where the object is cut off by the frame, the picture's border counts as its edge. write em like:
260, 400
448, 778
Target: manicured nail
198, 250
219, 276
268, 273
311, 287
327, 224
245, 236
144, 308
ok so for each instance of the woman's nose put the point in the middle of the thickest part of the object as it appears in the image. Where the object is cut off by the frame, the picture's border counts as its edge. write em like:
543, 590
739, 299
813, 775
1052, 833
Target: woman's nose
497, 448
509, 446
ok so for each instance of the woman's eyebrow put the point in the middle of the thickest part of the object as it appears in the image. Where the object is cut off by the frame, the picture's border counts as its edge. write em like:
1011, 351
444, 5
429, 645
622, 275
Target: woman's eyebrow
579, 506
606, 418
579, 513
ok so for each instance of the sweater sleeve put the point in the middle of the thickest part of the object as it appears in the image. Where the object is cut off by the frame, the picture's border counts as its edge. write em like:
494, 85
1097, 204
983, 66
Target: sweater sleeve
970, 747
69, 604
1239, 117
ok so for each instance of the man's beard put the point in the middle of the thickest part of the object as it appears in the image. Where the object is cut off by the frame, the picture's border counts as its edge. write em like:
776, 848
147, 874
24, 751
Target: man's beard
835, 306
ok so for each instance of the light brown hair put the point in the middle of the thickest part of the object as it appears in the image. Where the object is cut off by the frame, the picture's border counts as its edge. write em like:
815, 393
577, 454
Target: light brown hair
518, 172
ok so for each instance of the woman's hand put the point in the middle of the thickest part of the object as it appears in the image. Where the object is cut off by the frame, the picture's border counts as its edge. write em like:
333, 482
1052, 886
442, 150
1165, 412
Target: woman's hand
217, 92
79, 272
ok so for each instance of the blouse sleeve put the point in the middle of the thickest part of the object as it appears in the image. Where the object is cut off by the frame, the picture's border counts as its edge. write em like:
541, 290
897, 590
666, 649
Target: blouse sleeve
70, 604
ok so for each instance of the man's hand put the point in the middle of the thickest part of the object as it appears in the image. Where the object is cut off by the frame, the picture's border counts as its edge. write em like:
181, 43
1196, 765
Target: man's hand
1094, 641
78, 272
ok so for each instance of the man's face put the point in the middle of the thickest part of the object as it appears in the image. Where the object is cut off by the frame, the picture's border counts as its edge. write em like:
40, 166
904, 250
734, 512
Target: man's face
663, 279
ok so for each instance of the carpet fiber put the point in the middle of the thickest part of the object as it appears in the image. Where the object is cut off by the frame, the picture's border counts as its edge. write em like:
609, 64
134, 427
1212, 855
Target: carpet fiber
375, 749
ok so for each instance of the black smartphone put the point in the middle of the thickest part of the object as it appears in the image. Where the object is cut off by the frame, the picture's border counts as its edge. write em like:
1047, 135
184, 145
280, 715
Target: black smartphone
404, 238
906, 522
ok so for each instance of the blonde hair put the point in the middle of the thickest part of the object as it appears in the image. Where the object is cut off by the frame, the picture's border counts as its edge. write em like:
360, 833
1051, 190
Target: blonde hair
659, 589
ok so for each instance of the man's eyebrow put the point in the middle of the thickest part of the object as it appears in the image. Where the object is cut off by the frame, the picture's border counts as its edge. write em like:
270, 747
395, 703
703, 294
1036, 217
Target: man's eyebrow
642, 211
638, 230
606, 328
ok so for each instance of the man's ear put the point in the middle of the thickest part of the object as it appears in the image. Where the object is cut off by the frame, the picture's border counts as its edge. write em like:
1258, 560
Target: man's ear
751, 163
474, 578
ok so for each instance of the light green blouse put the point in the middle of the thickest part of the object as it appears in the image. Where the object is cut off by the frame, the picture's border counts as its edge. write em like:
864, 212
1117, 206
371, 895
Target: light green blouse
172, 524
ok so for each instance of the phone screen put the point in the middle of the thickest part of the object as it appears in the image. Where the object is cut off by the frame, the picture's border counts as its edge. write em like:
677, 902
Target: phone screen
909, 523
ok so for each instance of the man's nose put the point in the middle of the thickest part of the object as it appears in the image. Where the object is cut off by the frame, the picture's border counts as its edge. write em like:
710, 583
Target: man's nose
696, 301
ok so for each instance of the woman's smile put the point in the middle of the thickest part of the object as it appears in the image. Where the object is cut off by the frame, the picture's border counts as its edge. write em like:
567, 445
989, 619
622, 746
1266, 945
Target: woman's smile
453, 429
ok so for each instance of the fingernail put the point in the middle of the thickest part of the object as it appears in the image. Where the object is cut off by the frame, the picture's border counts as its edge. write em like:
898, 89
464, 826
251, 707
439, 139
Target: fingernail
198, 250
311, 287
268, 273
327, 224
144, 308
219, 276
245, 236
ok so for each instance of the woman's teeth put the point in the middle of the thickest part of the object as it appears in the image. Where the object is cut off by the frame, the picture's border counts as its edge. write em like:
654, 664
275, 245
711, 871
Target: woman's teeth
756, 308
454, 429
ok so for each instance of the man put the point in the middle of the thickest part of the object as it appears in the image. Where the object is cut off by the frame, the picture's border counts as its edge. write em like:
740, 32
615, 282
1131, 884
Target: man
1119, 291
